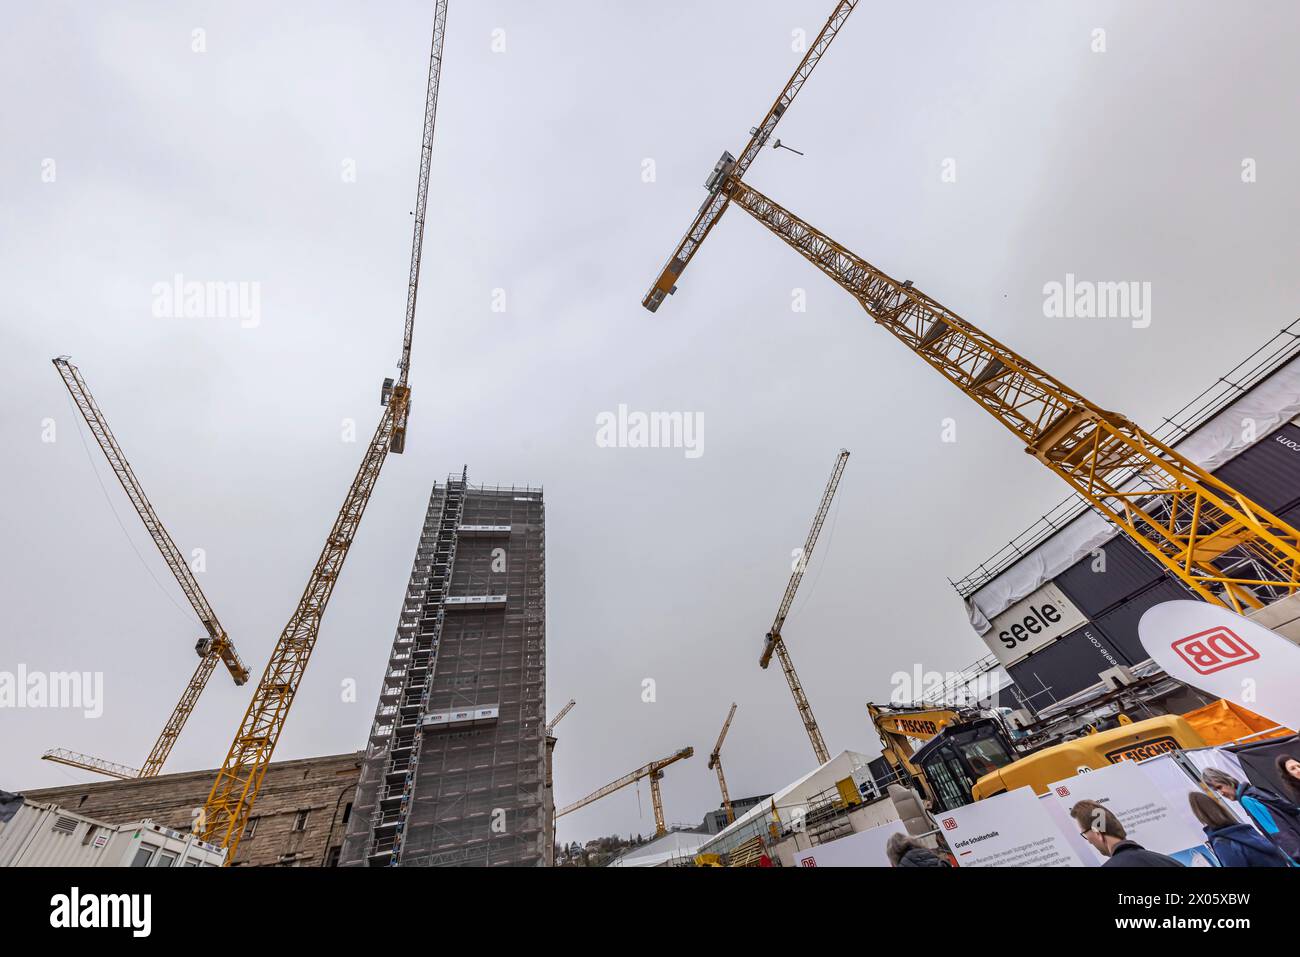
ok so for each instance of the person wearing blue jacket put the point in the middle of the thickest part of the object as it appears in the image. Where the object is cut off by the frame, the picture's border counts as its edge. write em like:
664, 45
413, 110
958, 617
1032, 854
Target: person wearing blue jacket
1273, 814
1234, 844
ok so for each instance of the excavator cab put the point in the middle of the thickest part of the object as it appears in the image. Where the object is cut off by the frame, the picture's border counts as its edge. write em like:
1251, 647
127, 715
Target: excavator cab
958, 756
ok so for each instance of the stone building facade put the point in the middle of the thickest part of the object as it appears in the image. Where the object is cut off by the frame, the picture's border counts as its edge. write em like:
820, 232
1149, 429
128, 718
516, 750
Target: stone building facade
298, 820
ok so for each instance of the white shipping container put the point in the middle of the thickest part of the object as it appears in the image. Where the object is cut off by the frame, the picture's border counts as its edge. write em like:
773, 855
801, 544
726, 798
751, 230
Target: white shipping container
46, 835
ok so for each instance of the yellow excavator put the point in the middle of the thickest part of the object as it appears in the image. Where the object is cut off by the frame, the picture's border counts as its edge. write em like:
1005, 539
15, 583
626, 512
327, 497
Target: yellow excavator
966, 754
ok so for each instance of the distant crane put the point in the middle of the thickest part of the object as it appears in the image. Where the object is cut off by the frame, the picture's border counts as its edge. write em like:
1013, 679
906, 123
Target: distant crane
774, 643
1225, 547
230, 802
715, 764
215, 647
654, 771
550, 727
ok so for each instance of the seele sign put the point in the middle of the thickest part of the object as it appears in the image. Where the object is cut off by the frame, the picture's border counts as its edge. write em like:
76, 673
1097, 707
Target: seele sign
1032, 623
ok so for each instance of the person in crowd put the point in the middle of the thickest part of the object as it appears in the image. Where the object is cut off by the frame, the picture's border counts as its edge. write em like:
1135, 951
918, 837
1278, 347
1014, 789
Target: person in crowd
904, 851
1288, 769
1234, 844
1278, 818
1103, 830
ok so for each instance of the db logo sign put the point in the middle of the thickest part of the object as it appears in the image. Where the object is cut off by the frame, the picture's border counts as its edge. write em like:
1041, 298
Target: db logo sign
1214, 650
1063, 791
808, 862
949, 824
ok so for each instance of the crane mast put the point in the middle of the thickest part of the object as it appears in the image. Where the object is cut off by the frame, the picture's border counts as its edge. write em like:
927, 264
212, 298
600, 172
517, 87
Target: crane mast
715, 764
654, 771
216, 647
1225, 547
227, 809
774, 643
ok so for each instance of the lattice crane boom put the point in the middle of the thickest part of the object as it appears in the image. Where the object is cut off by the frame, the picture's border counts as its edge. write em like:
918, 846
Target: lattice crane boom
179, 568
230, 802
715, 764
716, 204
550, 726
1224, 546
774, 642
74, 759
805, 555
654, 771
1221, 544
215, 647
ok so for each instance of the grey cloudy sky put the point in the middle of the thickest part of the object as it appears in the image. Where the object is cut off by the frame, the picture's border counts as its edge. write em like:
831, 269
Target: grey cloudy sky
226, 165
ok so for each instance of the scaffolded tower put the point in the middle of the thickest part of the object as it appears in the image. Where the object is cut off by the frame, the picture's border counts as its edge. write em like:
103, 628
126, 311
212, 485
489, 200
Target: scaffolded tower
455, 769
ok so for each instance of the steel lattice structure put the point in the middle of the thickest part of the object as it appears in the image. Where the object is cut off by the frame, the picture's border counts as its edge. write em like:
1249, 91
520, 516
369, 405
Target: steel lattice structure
235, 789
216, 647
715, 764
716, 204
654, 771
1227, 548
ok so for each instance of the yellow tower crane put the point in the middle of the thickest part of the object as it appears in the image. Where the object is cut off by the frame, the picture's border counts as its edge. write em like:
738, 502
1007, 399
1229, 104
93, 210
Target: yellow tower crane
226, 812
213, 648
654, 771
774, 643
715, 764
1225, 547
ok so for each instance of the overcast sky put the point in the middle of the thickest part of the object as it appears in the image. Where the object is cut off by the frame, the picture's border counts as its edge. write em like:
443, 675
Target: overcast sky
230, 165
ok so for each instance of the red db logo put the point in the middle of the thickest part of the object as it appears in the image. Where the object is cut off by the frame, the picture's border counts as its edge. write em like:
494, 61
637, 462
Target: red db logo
1063, 791
949, 824
1214, 650
808, 862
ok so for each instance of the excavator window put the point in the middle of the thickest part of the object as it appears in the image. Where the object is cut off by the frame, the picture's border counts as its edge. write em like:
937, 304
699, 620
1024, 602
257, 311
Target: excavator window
958, 757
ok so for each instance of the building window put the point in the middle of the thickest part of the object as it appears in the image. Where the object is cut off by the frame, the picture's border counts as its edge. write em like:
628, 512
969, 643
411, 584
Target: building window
300, 821
166, 859
332, 858
144, 855
250, 828
347, 812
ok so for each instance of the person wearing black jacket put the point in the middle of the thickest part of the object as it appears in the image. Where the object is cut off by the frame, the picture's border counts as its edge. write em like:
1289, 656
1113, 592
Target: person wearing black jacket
1102, 830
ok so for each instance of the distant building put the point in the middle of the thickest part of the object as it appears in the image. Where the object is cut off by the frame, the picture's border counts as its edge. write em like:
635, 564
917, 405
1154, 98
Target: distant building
715, 821
456, 769
297, 821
